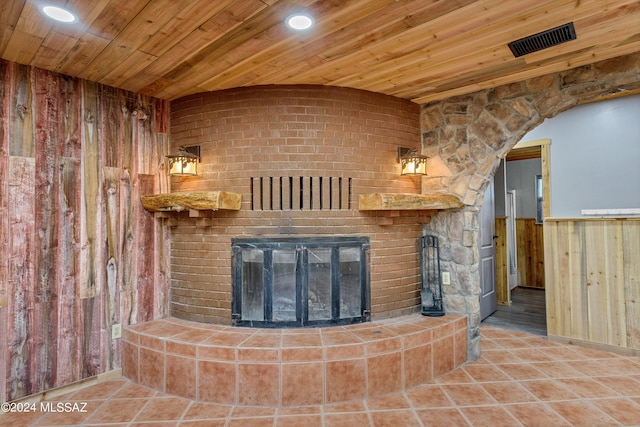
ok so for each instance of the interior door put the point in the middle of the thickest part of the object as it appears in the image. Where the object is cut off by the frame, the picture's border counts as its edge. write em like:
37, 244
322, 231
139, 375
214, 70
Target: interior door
487, 252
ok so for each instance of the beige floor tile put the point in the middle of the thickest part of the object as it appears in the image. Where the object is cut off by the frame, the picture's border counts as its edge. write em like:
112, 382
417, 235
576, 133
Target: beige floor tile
509, 392
404, 418
501, 356
163, 409
442, 417
459, 376
202, 423
489, 416
251, 422
118, 411
347, 419
485, 373
200, 411
429, 396
522, 371
536, 415
557, 369
548, 390
588, 388
390, 401
468, 394
582, 413
299, 420
626, 386
625, 411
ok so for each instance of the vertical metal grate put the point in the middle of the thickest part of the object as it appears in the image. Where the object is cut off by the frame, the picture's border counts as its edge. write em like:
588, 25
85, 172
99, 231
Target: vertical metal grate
431, 289
543, 40
286, 193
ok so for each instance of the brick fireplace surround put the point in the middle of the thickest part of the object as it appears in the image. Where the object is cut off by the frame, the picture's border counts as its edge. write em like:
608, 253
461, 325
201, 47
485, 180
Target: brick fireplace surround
300, 157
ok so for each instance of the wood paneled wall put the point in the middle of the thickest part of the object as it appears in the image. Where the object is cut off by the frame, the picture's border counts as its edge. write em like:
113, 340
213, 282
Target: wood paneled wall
502, 265
593, 280
78, 251
530, 249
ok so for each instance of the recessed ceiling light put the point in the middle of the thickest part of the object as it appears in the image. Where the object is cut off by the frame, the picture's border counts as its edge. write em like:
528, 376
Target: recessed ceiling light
299, 22
59, 14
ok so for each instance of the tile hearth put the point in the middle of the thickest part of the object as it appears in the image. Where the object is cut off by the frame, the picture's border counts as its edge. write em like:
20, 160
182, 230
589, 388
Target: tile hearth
292, 367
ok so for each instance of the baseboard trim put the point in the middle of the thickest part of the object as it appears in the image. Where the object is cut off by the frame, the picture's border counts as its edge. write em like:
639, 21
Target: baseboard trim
624, 351
68, 388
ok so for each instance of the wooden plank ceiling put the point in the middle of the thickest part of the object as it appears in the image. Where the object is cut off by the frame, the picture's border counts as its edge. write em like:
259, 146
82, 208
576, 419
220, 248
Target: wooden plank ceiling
422, 50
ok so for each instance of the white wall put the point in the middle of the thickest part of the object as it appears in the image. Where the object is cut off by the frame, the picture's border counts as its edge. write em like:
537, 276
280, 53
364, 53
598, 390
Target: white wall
521, 176
595, 156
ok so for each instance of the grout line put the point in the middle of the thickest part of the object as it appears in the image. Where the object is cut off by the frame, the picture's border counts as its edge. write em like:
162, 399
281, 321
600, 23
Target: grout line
412, 408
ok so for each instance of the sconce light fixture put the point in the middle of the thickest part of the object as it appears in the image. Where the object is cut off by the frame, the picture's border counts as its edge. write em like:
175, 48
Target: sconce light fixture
185, 161
411, 162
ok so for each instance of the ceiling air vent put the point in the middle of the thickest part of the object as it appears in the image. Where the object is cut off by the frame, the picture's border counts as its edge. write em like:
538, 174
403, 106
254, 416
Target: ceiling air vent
543, 40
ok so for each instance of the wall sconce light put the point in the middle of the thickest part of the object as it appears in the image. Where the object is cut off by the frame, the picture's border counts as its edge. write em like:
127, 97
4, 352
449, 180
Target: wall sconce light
185, 161
411, 162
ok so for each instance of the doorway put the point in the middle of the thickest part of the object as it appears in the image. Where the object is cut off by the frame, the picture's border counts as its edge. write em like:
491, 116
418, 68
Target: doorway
522, 195
527, 313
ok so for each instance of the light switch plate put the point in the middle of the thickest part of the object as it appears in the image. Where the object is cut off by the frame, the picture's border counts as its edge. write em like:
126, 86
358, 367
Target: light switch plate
446, 278
116, 331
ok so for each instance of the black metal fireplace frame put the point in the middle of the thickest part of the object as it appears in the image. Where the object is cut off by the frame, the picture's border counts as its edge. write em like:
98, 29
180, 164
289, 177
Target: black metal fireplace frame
301, 246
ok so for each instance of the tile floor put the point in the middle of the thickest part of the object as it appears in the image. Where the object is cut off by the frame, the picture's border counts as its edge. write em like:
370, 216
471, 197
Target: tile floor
521, 380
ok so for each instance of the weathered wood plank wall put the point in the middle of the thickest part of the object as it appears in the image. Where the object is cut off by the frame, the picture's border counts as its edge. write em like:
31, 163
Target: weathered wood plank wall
593, 280
79, 253
4, 228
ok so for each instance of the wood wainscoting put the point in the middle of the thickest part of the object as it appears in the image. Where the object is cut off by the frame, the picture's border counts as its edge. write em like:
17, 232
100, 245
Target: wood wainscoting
593, 281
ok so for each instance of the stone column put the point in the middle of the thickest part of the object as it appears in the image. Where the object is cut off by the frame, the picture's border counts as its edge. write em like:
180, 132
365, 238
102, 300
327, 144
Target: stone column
457, 233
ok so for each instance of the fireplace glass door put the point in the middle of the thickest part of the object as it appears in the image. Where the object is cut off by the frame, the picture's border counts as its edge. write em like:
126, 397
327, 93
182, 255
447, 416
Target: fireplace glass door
300, 281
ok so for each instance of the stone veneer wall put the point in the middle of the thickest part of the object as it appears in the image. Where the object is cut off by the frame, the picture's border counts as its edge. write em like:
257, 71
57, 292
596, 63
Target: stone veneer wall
294, 131
471, 133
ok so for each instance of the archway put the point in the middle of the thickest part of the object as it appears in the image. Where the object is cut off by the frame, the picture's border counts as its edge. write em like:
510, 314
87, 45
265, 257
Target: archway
470, 134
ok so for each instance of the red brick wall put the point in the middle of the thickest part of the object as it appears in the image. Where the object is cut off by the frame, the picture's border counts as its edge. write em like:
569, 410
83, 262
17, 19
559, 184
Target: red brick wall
294, 131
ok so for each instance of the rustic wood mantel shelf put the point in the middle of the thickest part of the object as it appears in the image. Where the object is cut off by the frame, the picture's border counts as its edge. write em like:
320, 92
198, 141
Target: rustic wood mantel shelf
192, 201
407, 201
